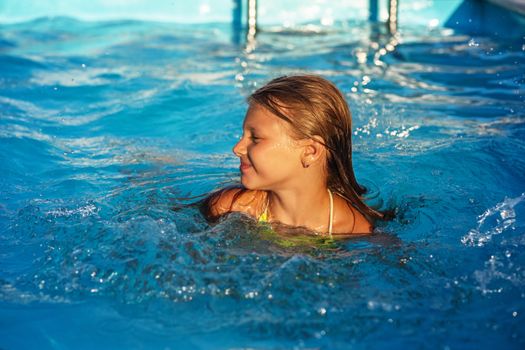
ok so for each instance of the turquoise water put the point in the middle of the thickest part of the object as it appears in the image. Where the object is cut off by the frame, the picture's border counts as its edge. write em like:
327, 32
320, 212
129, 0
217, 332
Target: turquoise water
105, 128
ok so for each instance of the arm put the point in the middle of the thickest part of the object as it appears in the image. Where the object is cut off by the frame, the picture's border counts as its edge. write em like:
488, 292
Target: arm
220, 203
232, 199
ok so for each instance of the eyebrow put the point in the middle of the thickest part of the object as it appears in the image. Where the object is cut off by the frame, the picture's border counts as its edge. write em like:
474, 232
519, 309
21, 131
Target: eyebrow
251, 128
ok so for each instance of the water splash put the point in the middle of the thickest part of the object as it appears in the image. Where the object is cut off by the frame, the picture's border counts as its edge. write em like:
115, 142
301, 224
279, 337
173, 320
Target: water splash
83, 211
498, 273
493, 222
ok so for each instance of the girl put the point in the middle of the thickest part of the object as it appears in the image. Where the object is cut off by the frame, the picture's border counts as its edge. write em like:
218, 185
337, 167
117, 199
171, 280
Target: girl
296, 161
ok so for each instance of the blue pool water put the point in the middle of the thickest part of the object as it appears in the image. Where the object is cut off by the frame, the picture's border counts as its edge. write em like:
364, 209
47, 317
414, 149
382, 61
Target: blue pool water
107, 127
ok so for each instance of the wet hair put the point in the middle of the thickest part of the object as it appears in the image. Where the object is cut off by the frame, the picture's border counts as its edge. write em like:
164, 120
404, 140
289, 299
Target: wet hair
313, 106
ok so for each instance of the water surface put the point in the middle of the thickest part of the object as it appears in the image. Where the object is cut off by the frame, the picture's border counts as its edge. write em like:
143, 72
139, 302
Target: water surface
106, 127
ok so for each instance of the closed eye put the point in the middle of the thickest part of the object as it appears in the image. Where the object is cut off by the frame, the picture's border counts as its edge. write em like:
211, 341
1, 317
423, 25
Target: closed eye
253, 135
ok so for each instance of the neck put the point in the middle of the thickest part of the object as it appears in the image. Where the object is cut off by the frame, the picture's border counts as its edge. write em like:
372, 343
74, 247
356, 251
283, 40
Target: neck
308, 207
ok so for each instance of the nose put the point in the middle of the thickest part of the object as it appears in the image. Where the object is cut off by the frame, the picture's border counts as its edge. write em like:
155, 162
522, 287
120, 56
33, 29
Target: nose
240, 148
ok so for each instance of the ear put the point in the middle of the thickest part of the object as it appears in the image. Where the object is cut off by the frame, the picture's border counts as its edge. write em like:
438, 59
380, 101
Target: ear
314, 151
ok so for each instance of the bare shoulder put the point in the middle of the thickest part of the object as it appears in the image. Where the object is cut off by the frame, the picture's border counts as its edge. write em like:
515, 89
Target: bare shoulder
349, 220
362, 225
234, 199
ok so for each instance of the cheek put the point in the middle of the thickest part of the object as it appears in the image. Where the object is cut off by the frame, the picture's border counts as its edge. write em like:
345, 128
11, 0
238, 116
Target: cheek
281, 155
287, 149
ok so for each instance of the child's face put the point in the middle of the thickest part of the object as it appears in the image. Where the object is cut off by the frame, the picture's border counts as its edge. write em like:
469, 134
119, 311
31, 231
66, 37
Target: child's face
270, 157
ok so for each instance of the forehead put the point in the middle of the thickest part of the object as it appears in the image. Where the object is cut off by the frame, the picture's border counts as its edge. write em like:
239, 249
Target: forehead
260, 118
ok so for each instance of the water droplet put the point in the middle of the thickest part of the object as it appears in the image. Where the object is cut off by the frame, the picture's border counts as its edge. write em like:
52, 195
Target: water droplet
250, 295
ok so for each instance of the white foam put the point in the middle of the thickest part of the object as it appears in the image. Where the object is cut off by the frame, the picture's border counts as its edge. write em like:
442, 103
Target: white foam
84, 211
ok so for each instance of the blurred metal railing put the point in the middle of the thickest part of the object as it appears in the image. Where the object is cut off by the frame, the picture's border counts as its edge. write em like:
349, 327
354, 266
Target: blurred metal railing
393, 8
392, 22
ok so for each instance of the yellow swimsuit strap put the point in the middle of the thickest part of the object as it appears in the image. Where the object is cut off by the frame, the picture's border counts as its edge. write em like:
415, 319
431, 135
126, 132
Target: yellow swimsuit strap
330, 223
263, 218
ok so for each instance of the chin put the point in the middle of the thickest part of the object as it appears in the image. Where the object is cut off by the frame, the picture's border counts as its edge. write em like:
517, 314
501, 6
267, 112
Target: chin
249, 185
246, 185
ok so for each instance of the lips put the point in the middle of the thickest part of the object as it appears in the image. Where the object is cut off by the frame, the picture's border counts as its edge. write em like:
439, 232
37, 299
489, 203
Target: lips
245, 165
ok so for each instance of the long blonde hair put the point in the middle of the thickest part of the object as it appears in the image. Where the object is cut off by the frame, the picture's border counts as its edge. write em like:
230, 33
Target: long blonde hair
314, 106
